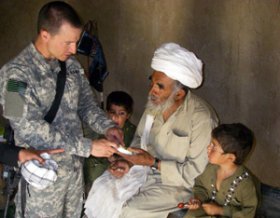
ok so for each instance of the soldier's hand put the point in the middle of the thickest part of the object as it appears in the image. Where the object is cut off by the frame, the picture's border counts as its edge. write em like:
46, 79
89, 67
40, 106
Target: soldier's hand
29, 154
115, 134
103, 148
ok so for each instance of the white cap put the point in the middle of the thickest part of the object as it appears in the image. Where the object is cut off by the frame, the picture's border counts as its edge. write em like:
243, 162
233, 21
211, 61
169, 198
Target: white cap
179, 64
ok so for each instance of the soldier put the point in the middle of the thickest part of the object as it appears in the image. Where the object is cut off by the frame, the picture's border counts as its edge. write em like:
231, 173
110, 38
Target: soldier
28, 87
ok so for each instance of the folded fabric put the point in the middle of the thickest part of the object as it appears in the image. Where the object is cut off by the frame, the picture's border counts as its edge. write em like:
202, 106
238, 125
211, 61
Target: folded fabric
108, 193
39, 175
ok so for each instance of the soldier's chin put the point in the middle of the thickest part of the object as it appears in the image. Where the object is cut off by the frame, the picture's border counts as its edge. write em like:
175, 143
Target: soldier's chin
64, 58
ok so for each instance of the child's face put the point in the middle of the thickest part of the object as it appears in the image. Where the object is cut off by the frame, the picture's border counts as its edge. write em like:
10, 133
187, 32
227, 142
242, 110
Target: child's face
118, 114
216, 155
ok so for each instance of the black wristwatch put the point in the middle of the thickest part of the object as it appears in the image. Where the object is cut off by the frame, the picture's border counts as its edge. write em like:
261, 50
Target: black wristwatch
155, 164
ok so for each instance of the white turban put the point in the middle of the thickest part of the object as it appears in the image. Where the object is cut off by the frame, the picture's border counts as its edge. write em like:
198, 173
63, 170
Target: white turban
179, 64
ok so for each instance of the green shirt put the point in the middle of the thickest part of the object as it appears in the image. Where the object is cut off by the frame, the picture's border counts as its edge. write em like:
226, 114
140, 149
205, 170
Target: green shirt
244, 198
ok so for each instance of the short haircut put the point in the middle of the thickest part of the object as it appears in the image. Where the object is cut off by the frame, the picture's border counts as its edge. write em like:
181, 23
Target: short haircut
236, 139
53, 14
120, 98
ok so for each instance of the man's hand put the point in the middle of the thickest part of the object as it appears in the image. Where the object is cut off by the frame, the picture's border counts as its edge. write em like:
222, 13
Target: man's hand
103, 148
119, 168
139, 157
28, 154
115, 134
212, 209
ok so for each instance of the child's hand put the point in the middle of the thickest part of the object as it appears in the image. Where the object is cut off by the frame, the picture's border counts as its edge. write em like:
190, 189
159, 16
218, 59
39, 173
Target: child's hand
212, 209
193, 204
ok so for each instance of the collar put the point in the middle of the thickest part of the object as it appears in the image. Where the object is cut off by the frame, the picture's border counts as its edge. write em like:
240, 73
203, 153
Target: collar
43, 64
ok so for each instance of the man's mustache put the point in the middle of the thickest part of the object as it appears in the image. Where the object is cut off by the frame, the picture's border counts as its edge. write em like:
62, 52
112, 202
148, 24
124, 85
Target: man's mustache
152, 98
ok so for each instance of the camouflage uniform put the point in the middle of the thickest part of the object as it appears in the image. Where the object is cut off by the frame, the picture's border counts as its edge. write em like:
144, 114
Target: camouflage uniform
27, 90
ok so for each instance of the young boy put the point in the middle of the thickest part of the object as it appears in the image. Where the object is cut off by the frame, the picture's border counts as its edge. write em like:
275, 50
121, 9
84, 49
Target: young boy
225, 188
119, 107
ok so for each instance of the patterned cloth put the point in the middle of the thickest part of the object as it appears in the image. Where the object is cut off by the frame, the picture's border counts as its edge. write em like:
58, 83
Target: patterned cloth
40, 175
27, 90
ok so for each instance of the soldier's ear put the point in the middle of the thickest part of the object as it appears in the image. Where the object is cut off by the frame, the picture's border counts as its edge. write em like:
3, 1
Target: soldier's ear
45, 35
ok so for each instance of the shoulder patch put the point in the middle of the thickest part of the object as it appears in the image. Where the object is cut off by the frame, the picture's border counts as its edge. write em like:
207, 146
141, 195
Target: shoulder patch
14, 104
16, 86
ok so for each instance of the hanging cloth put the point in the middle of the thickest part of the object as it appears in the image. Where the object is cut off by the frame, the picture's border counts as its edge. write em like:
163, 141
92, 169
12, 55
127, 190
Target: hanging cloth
90, 46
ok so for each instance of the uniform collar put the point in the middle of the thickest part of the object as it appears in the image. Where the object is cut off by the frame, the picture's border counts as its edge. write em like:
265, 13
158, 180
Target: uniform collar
48, 65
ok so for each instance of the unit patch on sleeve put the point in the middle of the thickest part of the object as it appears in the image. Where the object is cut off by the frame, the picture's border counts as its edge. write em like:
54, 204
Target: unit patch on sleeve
14, 103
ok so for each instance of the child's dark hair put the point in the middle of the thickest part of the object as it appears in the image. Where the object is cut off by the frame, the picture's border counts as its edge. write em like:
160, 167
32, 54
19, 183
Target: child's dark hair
120, 98
236, 139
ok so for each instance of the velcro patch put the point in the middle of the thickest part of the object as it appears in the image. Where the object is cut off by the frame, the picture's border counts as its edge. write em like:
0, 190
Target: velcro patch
14, 103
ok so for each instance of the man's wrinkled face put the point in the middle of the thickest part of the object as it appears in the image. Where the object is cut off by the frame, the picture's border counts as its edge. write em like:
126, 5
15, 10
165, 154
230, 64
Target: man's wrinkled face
63, 44
161, 88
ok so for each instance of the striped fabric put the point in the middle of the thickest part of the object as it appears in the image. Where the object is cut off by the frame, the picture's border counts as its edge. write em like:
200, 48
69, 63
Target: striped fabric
40, 175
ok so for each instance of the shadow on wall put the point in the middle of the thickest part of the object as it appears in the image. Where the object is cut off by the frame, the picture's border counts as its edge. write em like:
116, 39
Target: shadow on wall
238, 42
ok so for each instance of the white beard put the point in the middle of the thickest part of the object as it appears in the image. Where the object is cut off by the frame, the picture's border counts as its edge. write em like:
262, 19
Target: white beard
160, 107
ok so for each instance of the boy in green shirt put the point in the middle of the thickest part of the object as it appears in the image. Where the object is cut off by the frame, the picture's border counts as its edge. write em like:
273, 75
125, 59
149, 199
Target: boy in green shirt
119, 107
225, 188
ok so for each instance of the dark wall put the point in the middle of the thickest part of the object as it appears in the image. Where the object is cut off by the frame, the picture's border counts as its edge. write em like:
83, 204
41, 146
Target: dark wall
238, 41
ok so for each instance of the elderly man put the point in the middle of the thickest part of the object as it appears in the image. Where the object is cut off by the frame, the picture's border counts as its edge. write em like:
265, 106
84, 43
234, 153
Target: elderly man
176, 129
170, 143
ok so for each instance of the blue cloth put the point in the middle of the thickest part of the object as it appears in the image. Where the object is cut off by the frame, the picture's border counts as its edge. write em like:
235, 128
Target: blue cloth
270, 204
